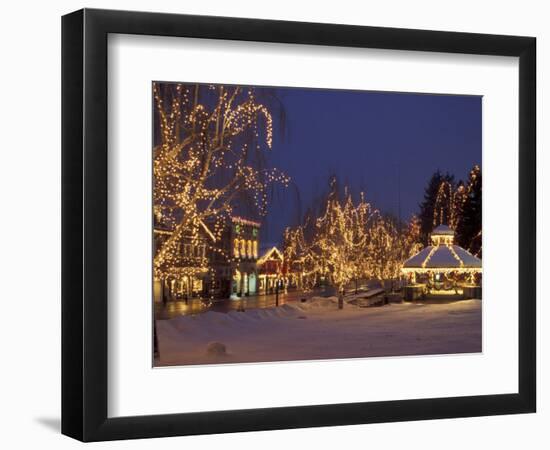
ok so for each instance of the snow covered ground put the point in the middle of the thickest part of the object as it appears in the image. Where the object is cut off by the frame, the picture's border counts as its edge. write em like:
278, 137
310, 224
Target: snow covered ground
318, 330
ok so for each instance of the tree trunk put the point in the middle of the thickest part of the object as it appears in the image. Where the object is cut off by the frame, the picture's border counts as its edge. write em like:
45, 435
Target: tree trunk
155, 340
341, 299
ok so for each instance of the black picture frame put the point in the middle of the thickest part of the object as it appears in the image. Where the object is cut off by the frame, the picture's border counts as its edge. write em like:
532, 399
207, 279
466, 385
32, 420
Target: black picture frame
84, 224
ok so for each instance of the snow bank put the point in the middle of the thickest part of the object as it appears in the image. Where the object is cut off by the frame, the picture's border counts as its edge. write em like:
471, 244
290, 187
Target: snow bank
316, 329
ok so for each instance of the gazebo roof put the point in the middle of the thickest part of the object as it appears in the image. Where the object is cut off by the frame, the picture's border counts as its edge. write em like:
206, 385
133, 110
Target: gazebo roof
443, 230
443, 255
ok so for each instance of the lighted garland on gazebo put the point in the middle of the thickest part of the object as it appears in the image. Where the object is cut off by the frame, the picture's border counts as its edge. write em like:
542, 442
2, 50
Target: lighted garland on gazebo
442, 265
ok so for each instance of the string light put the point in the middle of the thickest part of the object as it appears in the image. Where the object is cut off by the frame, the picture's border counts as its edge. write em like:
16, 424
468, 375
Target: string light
207, 155
350, 241
442, 238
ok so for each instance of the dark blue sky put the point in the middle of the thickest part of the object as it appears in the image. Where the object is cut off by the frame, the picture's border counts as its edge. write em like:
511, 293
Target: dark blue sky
366, 139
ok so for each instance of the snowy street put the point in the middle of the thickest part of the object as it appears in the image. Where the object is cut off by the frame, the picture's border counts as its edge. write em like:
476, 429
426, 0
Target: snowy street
318, 330
197, 306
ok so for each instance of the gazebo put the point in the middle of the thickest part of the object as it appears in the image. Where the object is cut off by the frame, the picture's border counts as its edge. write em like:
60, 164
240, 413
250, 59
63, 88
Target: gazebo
443, 265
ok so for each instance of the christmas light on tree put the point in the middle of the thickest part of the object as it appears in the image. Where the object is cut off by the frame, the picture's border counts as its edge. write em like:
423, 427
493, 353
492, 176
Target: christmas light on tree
208, 154
349, 241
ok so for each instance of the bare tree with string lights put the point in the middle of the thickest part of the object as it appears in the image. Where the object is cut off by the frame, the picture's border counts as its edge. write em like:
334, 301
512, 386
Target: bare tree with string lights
350, 241
341, 241
208, 153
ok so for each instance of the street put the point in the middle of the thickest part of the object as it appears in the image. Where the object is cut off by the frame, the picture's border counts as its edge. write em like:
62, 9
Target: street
196, 306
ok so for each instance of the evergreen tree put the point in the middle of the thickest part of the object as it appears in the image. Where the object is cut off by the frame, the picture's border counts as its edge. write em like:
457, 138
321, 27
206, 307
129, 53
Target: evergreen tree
468, 233
459, 197
427, 207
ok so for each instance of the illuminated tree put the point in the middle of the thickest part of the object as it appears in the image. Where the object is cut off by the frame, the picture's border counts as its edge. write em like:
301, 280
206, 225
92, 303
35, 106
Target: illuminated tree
340, 241
428, 213
207, 155
350, 241
362, 267
380, 241
388, 247
412, 237
459, 198
300, 259
459, 208
444, 211
468, 231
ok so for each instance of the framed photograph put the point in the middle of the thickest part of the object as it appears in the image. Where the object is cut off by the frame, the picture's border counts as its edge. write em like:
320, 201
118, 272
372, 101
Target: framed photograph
273, 225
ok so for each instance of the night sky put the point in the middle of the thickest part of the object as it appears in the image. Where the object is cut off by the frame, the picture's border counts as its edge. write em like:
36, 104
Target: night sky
369, 140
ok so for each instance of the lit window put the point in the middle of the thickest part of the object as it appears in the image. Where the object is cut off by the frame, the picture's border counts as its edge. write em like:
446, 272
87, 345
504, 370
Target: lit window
255, 248
243, 248
249, 249
236, 248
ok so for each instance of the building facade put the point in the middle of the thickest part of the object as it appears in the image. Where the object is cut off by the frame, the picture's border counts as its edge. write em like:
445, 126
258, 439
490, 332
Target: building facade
187, 278
244, 238
233, 260
271, 271
212, 268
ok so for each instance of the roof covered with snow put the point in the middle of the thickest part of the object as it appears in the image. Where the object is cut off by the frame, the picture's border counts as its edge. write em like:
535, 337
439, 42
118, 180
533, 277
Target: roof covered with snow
443, 257
419, 258
443, 230
442, 254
